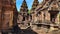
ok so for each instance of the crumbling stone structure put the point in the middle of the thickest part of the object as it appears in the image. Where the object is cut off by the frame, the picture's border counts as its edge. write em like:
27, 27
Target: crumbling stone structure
48, 11
23, 15
46, 14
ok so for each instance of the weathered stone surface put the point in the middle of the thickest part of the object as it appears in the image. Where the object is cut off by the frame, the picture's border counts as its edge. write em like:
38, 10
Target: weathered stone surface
46, 13
0, 13
7, 11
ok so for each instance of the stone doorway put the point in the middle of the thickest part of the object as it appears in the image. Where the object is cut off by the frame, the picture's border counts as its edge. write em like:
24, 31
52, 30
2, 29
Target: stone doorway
53, 15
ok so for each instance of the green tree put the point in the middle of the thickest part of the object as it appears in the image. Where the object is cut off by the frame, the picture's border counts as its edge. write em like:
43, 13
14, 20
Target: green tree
28, 11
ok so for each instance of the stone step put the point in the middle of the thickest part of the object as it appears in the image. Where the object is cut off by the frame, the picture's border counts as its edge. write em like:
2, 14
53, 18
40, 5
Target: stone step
45, 24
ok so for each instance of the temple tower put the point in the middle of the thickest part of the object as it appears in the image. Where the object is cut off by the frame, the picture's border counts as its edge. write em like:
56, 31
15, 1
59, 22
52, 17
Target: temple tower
22, 16
24, 7
35, 4
7, 16
24, 10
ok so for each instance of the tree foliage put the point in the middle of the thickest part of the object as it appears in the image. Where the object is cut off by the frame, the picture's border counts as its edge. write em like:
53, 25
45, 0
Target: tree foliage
28, 11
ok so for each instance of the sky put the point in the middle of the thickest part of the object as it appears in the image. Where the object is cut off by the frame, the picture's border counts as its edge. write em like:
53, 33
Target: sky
29, 3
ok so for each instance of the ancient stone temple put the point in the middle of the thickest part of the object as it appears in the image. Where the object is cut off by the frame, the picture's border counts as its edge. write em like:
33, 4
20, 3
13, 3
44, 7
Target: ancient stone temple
23, 15
43, 19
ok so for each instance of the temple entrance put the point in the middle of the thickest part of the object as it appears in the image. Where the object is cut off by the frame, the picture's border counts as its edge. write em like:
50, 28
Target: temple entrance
53, 15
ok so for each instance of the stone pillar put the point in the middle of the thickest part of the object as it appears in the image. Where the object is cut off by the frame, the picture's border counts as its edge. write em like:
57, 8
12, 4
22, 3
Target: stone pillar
11, 19
47, 16
34, 18
39, 17
42, 16
57, 19
5, 22
7, 19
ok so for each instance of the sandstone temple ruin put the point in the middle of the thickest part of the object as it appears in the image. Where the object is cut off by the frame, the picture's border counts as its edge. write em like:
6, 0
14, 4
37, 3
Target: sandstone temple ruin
42, 17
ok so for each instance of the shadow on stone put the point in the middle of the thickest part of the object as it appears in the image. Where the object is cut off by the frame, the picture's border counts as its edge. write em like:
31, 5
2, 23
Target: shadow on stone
17, 30
28, 31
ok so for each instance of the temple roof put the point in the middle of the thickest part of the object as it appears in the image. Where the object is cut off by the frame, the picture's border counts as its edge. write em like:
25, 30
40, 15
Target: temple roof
47, 5
24, 7
35, 4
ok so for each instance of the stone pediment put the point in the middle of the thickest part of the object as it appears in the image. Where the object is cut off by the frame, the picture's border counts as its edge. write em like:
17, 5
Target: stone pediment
54, 5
